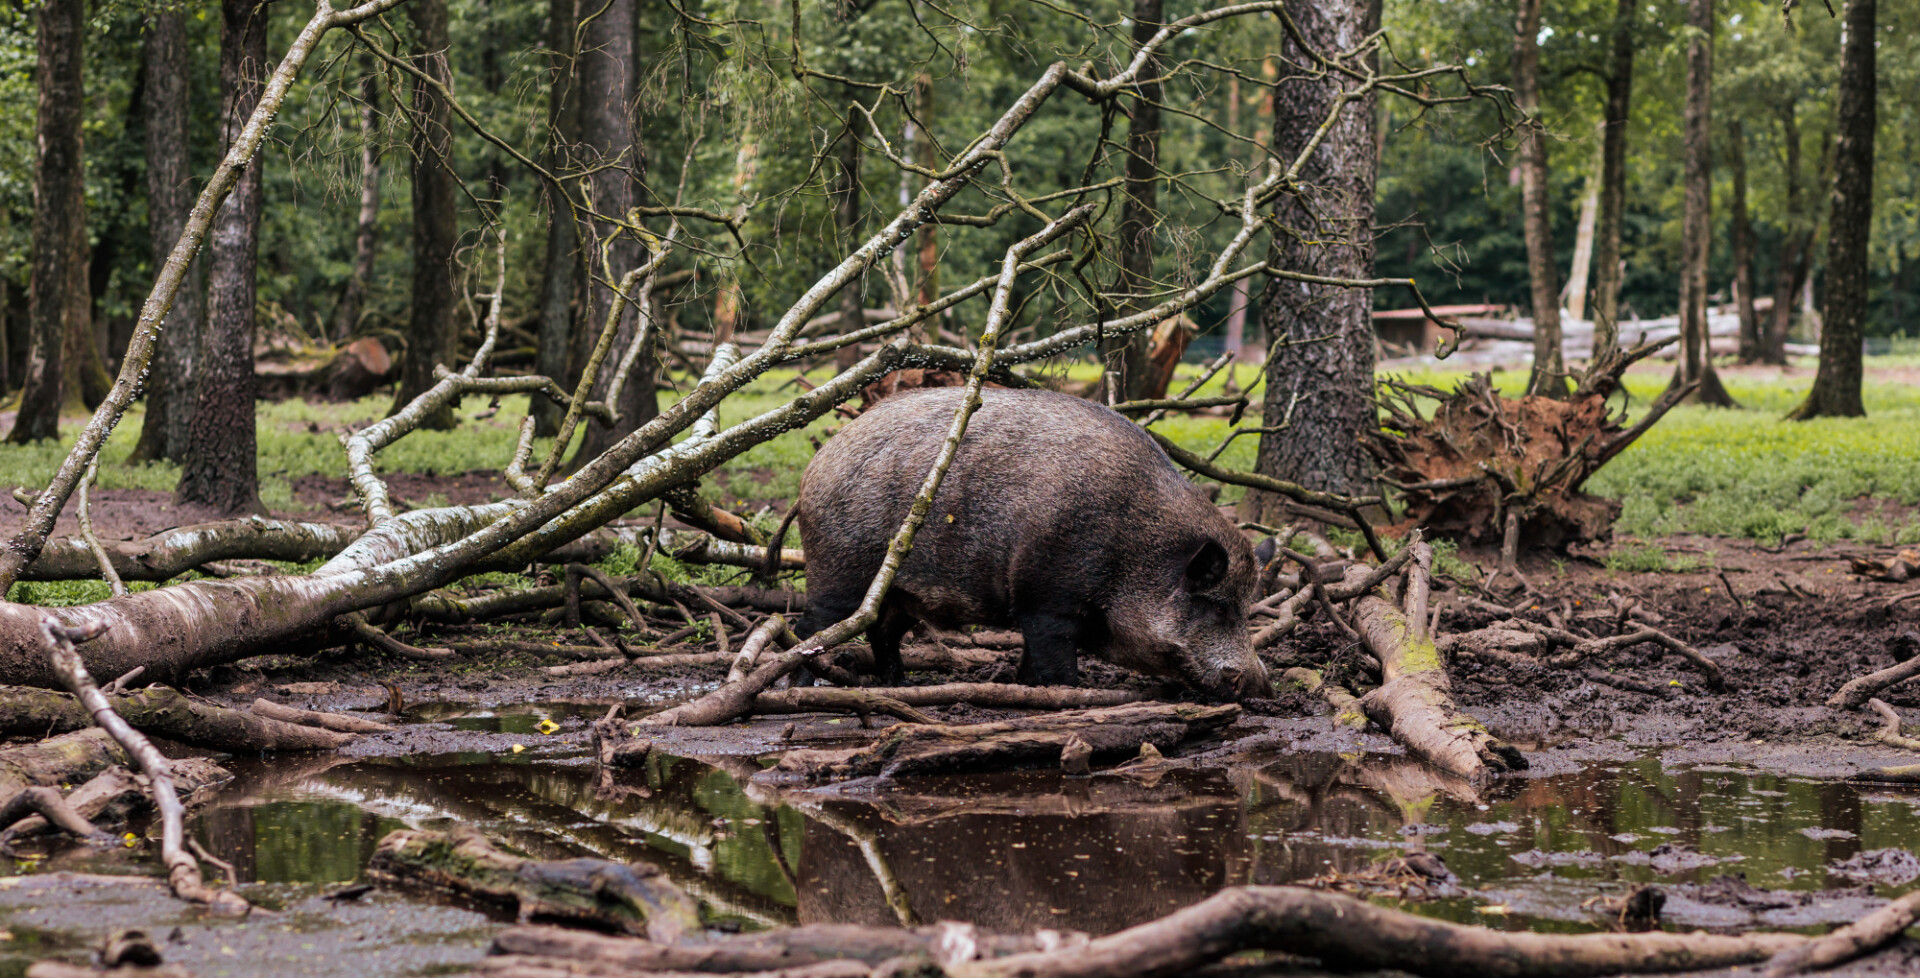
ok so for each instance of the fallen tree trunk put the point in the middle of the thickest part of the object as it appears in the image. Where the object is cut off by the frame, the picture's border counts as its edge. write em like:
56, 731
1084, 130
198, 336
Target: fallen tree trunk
631, 898
170, 553
166, 712
1352, 935
1112, 733
770, 950
1414, 701
337, 722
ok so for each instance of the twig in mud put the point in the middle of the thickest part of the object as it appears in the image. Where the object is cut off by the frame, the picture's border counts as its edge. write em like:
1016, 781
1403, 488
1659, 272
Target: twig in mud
117, 686
1731, 593
1849, 942
818, 699
719, 633
1286, 617
183, 872
1890, 734
774, 628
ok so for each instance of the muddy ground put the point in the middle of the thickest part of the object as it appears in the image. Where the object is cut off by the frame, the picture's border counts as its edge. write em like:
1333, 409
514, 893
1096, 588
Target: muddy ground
1734, 802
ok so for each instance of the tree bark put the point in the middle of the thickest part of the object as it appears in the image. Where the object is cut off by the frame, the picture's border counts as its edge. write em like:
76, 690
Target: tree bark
1549, 369
1836, 385
58, 306
562, 259
1323, 388
1611, 217
1742, 245
846, 212
168, 110
220, 468
1127, 356
1696, 228
353, 296
1580, 275
609, 140
430, 326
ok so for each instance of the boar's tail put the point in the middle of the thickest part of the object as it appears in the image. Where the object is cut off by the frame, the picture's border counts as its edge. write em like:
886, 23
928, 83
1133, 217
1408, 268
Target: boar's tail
771, 570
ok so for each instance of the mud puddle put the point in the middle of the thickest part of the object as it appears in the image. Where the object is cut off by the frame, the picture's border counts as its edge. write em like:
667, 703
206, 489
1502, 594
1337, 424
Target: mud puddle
1732, 847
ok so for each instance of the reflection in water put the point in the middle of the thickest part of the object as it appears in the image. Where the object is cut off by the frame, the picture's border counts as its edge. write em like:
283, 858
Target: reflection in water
1024, 851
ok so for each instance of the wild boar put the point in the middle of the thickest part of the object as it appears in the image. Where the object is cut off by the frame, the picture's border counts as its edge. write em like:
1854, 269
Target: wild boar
1058, 517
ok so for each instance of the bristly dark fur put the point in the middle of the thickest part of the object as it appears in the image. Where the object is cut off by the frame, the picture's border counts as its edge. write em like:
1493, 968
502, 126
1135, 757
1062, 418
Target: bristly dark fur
1058, 517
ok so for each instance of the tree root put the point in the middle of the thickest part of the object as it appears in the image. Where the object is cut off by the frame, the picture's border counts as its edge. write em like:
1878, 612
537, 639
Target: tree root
633, 899
1351, 935
1344, 933
1113, 733
1890, 733
642, 663
1862, 936
1346, 706
1858, 691
166, 712
379, 639
828, 699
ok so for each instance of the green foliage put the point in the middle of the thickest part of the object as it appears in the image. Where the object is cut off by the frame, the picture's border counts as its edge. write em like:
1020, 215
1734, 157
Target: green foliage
1647, 558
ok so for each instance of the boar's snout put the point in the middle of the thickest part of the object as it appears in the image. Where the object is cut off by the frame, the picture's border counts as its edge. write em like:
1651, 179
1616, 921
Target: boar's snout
1248, 683
1240, 676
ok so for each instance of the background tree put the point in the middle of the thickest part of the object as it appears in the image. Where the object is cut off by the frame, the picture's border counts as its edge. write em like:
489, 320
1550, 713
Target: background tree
1836, 386
58, 307
1126, 357
608, 103
1736, 153
1696, 235
1319, 370
221, 468
366, 235
1611, 212
431, 332
561, 264
168, 116
1549, 369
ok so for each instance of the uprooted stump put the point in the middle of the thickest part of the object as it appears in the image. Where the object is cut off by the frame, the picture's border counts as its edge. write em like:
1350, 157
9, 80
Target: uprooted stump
1486, 468
1113, 733
633, 899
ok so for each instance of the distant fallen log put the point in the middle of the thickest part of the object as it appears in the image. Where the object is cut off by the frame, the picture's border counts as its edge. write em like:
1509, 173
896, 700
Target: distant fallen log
1112, 733
65, 759
630, 898
765, 951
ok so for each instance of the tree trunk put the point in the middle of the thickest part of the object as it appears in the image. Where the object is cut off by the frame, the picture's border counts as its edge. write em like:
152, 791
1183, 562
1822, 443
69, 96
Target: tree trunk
220, 468
1795, 248
1742, 245
846, 214
929, 234
1611, 216
1836, 386
1581, 273
1127, 355
563, 258
1696, 229
1324, 388
57, 301
1236, 338
353, 296
1549, 370
431, 332
168, 110
609, 140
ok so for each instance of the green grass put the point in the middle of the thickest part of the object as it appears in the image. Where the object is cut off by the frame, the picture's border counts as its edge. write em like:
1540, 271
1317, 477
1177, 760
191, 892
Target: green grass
1738, 473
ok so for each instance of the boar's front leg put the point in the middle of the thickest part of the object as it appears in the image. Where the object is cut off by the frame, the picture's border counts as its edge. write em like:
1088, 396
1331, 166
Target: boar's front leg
1052, 655
884, 636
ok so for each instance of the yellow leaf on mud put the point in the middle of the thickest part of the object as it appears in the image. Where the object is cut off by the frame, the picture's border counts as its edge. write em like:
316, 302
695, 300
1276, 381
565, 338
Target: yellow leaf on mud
517, 748
547, 726
1493, 910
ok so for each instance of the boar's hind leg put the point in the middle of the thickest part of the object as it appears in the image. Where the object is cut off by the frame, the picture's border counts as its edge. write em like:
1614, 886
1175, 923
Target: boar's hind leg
1052, 650
884, 637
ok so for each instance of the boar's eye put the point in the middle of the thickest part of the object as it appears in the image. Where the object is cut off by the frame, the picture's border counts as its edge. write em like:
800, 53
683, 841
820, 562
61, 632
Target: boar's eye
1208, 566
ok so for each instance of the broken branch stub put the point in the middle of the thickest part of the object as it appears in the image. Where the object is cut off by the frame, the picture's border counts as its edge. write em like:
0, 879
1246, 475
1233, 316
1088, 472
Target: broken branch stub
1414, 701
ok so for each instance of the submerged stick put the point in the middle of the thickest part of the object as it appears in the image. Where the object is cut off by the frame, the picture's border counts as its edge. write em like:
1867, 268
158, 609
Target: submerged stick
1849, 942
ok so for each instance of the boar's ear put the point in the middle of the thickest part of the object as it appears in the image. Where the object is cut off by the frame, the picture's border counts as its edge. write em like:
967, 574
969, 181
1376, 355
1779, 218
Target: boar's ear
1208, 566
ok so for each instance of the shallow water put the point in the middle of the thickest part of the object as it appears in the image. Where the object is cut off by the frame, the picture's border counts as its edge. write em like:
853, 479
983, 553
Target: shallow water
1021, 851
